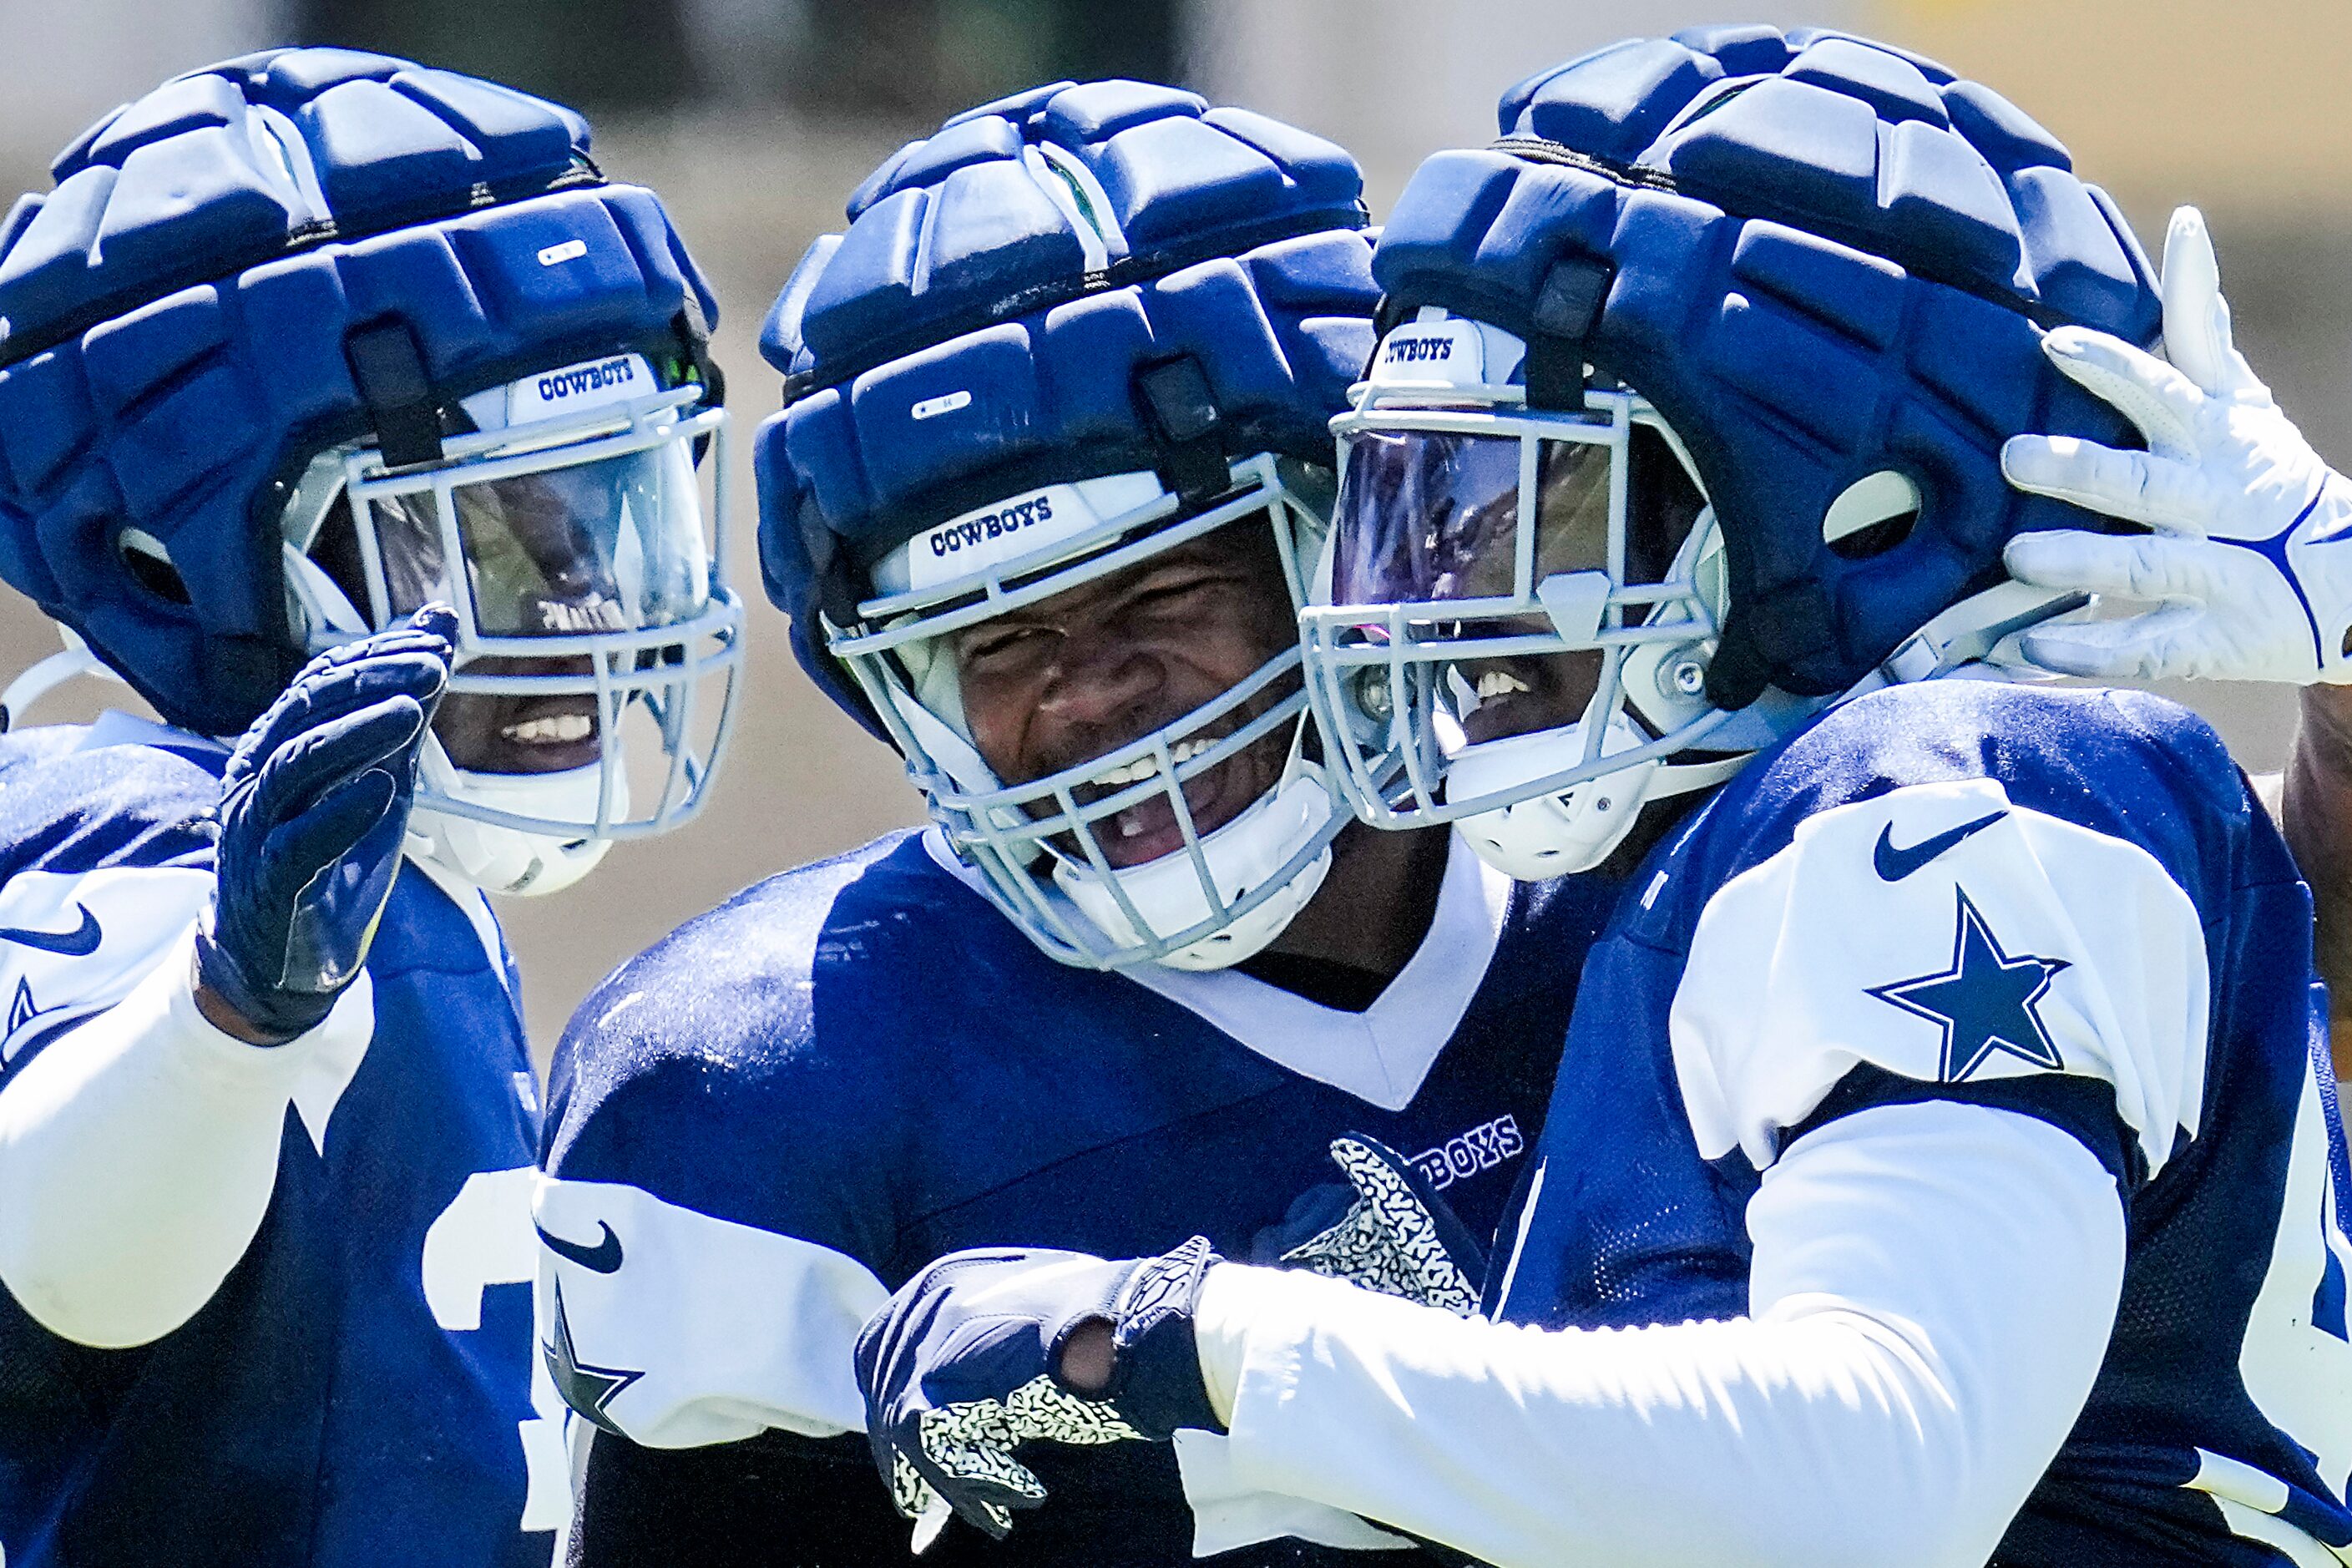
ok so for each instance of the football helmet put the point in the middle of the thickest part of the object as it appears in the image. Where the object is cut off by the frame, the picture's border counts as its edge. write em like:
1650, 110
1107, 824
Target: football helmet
304, 339
1071, 334
1686, 422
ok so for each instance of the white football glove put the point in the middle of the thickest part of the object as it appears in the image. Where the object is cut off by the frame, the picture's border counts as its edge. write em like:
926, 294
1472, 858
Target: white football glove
1399, 1237
2250, 565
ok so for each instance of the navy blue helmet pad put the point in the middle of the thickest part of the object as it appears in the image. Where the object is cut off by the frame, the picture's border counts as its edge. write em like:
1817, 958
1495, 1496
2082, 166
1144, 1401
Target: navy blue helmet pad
1279, 334
1819, 258
1856, 142
227, 166
958, 231
187, 415
996, 319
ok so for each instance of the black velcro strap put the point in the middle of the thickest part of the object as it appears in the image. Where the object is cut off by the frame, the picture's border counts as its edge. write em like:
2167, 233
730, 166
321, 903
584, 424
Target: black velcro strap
1182, 413
1567, 309
1392, 312
390, 373
1737, 674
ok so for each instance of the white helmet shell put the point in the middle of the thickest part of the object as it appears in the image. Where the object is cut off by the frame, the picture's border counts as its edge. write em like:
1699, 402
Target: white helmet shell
502, 860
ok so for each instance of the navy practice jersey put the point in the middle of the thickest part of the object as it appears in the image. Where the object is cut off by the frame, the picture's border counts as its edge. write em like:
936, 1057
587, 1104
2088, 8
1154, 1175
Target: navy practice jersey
781, 1112
358, 1390
2061, 903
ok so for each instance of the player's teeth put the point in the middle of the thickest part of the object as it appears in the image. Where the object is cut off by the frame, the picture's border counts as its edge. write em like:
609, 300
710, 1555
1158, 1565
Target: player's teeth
1129, 823
555, 729
1135, 772
1499, 683
1143, 768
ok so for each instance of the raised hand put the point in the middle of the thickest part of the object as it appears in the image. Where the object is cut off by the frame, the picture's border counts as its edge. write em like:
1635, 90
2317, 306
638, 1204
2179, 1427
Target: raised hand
2249, 567
314, 807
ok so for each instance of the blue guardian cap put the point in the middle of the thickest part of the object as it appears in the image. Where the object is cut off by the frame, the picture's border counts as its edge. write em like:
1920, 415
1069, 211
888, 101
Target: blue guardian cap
1687, 417
302, 340
1073, 331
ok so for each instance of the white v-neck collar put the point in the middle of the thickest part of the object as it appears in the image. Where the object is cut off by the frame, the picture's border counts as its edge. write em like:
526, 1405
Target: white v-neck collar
1381, 1055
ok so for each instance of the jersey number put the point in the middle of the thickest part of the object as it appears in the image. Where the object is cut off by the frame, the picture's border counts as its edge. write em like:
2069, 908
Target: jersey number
484, 1238
2296, 1361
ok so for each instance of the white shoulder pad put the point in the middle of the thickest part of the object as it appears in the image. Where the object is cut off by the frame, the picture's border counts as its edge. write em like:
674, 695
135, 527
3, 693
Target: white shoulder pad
75, 944
1941, 933
676, 1330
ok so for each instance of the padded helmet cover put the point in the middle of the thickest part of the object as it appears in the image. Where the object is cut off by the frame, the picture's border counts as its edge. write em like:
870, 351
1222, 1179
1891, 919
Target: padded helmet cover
173, 317
1006, 287
1819, 257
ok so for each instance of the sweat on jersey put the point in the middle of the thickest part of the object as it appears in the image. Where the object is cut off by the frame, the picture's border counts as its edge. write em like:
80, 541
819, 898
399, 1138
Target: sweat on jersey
774, 1117
358, 1390
1963, 1061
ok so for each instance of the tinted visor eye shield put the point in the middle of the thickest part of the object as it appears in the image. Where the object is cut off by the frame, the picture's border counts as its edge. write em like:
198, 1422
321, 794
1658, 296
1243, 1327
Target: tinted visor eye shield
1553, 569
1049, 849
578, 552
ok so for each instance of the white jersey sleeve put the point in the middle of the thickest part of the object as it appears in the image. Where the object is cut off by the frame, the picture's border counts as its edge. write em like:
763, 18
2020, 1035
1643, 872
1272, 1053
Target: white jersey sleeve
1932, 1293
138, 1144
1942, 1025
1940, 934
674, 1329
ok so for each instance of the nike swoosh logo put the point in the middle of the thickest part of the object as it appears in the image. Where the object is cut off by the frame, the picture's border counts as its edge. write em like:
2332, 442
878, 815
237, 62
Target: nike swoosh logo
1893, 865
602, 1259
79, 942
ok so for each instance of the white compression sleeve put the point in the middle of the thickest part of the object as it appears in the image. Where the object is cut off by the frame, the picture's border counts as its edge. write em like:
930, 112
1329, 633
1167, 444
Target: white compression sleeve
138, 1152
1932, 1293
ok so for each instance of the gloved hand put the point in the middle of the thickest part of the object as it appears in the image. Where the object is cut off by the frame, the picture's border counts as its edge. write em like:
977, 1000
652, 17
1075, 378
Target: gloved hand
1397, 1238
314, 806
964, 1365
2251, 561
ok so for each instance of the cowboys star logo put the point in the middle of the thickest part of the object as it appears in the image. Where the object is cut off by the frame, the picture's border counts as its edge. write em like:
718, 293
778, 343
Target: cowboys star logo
1984, 1002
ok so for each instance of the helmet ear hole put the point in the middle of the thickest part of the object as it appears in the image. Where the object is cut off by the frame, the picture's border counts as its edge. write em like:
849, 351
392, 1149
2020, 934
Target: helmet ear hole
1872, 515
149, 565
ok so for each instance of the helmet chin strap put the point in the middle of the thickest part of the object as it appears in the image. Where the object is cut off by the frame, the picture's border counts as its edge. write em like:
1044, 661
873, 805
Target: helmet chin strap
1575, 830
1981, 631
956, 755
498, 858
1247, 854
323, 606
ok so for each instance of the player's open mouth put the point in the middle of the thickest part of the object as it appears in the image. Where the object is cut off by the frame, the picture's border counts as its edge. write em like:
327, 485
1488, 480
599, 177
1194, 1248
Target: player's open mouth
1518, 695
551, 730
528, 734
1149, 830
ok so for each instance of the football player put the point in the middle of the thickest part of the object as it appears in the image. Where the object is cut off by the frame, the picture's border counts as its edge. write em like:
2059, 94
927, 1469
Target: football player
889, 1070
1943, 1163
323, 353
1052, 472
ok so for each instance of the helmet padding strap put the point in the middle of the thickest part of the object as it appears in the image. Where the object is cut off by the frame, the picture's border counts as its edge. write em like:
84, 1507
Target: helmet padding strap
1567, 309
390, 373
1182, 413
